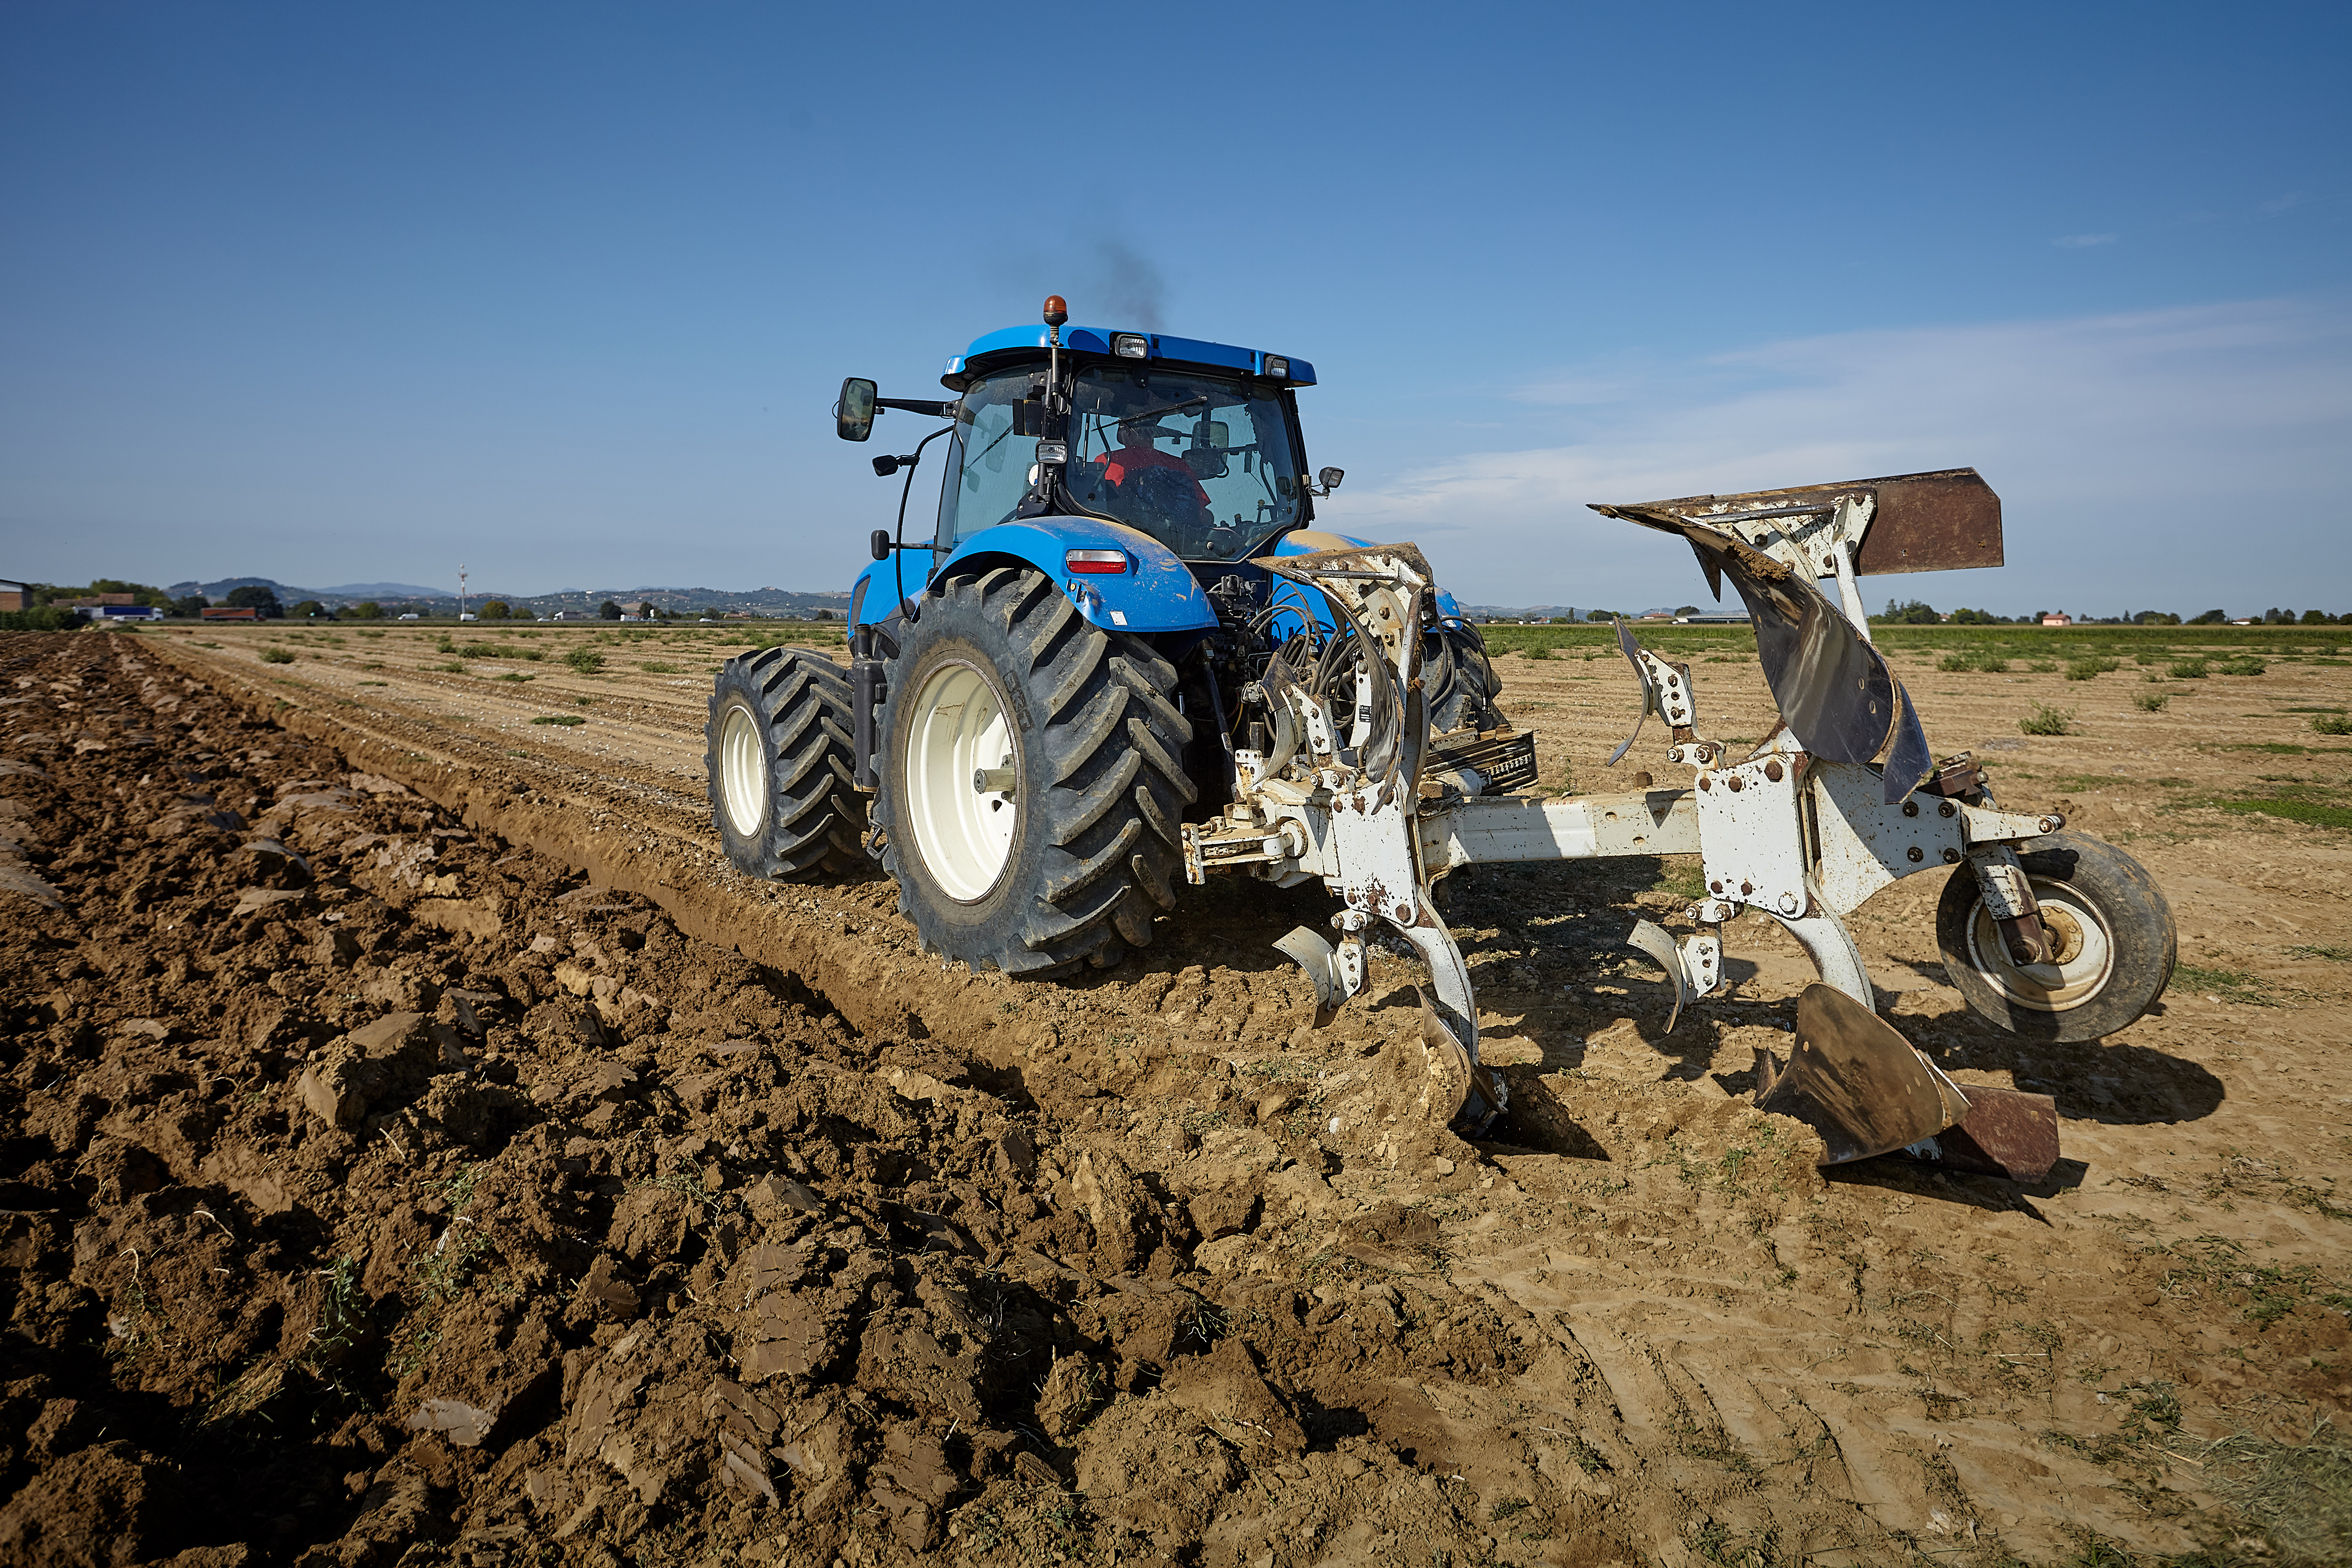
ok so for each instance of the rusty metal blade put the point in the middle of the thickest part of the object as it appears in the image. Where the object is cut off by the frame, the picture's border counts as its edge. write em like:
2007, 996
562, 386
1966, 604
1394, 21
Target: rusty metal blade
1856, 1081
2007, 1133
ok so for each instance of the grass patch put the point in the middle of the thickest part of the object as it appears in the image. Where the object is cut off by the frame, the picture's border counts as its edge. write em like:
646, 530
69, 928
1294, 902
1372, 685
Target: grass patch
2188, 669
485, 650
656, 666
2239, 666
565, 719
1685, 879
586, 660
2332, 724
2047, 720
375, 683
2229, 985
2315, 813
2086, 669
511, 674
2042, 666
2299, 1495
2338, 955
2151, 701
276, 655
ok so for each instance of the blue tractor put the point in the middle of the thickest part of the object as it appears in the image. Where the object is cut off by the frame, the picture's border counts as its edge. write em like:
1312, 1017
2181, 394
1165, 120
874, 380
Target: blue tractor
1042, 699
1125, 659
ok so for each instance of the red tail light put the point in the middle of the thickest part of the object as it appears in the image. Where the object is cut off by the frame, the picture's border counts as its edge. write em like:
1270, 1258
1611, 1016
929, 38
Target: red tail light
1098, 562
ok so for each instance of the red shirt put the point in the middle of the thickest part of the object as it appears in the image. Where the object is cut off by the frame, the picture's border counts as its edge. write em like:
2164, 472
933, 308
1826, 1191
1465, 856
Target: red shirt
1117, 465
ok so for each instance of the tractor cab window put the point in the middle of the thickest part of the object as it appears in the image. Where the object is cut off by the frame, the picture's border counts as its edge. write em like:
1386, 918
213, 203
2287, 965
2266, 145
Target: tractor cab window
989, 469
1204, 464
1207, 464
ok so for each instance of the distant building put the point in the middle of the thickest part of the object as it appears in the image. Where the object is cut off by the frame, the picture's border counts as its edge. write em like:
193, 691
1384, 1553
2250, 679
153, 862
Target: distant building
13, 594
99, 601
2057, 618
222, 612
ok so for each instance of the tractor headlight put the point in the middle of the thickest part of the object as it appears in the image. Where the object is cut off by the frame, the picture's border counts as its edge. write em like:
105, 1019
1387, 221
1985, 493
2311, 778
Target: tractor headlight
1278, 367
1128, 345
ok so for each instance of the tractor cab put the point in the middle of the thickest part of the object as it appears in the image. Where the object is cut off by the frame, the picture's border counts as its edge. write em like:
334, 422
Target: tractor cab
1196, 444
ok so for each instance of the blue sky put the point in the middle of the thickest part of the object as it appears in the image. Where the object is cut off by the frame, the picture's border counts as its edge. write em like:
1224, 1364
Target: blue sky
347, 293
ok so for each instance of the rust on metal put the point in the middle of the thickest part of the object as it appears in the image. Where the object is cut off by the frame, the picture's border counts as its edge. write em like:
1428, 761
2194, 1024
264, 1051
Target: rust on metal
1932, 523
1938, 521
2007, 1133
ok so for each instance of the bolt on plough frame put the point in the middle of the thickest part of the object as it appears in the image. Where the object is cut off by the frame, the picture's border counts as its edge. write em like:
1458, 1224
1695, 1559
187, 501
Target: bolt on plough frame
1842, 799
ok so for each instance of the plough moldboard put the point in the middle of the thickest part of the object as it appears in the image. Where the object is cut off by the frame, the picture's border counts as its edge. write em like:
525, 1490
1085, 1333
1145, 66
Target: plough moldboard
1842, 798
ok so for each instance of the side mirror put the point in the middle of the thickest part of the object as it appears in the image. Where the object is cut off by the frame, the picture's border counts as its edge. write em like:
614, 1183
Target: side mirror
853, 416
1330, 477
880, 542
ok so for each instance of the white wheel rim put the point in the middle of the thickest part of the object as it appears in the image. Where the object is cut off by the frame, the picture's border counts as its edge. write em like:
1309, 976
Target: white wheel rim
2086, 952
964, 836
743, 772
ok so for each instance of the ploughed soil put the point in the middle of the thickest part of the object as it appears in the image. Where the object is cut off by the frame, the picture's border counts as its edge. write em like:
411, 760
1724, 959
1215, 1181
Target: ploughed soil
421, 1147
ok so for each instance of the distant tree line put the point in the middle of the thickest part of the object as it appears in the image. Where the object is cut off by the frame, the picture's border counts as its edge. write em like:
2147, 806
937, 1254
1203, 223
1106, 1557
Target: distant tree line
1918, 613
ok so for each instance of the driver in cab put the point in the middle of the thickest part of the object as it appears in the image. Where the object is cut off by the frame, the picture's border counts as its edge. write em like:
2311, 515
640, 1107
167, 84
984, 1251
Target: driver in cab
1137, 454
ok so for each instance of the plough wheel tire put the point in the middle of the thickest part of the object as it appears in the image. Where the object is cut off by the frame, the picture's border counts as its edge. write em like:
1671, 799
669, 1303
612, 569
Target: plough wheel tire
778, 756
2112, 927
1001, 682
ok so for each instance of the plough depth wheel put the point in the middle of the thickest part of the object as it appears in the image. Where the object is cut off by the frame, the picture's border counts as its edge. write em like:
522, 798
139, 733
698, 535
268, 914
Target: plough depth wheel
2111, 929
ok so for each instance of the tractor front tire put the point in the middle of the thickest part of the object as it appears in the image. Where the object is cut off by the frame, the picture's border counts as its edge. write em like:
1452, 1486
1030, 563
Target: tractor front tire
778, 756
2113, 930
1033, 789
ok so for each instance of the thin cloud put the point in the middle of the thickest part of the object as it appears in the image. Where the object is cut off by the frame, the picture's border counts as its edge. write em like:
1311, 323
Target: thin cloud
2154, 456
2083, 241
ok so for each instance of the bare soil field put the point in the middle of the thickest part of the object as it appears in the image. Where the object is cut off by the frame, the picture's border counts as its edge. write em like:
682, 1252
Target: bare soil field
423, 1147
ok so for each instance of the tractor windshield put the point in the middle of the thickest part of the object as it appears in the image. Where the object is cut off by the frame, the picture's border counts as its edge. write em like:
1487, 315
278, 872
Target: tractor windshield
1207, 464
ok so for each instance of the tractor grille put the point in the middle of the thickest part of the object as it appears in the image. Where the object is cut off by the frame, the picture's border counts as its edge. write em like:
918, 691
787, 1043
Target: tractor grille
1505, 759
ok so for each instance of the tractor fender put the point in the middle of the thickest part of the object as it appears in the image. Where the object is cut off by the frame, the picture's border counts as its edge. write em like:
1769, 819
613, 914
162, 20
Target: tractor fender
1156, 593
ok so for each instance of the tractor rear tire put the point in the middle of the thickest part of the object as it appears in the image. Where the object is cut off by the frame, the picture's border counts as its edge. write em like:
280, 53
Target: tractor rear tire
777, 758
1460, 680
1033, 787
2114, 932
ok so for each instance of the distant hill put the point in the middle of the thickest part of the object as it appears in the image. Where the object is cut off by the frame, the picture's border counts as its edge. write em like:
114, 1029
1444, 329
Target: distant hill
776, 602
288, 594
374, 591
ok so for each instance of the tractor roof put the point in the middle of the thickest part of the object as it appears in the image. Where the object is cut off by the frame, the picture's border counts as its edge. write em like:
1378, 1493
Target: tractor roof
1021, 343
